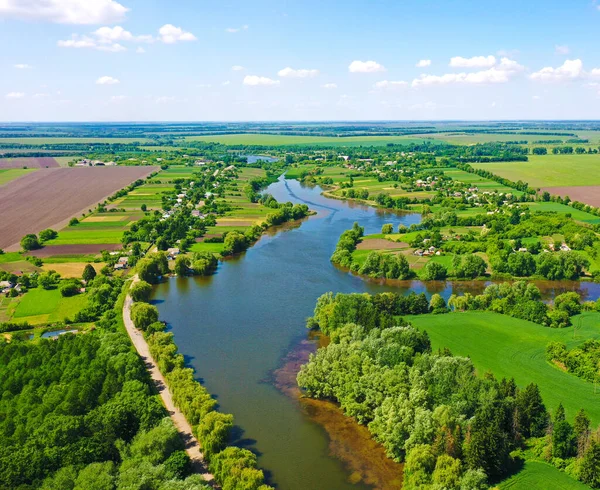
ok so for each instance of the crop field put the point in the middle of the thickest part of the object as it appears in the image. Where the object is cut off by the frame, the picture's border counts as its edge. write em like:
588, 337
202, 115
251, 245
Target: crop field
8, 175
587, 194
564, 209
48, 198
283, 140
550, 170
481, 183
514, 348
536, 475
30, 162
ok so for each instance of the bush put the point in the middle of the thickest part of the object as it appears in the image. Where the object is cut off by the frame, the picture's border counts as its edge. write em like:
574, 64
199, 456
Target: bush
434, 271
30, 242
73, 222
387, 229
88, 272
68, 289
48, 234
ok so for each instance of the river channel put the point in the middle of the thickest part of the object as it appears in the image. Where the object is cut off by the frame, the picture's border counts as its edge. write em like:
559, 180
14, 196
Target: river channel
243, 331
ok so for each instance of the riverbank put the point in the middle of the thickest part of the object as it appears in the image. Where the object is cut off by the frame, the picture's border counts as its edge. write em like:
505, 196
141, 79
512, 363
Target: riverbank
192, 447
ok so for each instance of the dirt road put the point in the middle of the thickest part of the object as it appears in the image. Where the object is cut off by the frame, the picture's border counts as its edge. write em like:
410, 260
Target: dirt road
192, 447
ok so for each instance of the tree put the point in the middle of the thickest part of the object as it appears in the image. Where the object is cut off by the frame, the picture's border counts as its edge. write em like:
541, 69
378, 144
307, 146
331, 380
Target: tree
471, 266
581, 429
182, 265
48, 234
589, 471
69, 288
474, 480
144, 208
141, 291
178, 465
100, 476
88, 272
563, 439
447, 471
143, 315
532, 414
387, 229
30, 242
73, 222
419, 466
437, 304
235, 242
213, 432
434, 271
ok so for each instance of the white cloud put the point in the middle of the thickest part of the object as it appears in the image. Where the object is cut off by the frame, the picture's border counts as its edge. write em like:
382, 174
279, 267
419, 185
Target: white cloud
330, 86
164, 99
79, 42
237, 68
41, 95
118, 98
112, 34
64, 11
536, 97
204, 85
107, 81
570, 70
15, 95
365, 67
140, 50
254, 81
493, 75
23, 66
595, 72
506, 64
291, 73
387, 84
562, 49
474, 62
423, 63
233, 30
226, 83
169, 34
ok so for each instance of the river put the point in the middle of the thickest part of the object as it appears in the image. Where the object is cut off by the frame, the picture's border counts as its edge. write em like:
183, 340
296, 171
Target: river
243, 328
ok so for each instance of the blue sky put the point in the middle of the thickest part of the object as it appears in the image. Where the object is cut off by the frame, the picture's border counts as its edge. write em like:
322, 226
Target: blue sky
127, 60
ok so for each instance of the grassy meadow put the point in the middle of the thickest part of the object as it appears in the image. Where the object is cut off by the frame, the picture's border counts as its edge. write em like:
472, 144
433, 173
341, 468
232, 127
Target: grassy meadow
537, 475
509, 347
40, 306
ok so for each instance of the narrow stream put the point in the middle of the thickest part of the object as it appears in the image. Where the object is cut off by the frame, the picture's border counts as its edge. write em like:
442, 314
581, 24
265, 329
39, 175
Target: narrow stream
243, 330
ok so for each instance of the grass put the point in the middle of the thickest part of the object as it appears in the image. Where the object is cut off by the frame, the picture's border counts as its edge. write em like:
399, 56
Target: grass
537, 475
8, 174
59, 141
509, 347
556, 207
276, 139
550, 170
41, 306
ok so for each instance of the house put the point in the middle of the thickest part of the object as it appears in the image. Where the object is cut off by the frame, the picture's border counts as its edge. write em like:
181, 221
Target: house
344, 157
124, 261
231, 167
565, 248
5, 286
119, 267
172, 252
418, 252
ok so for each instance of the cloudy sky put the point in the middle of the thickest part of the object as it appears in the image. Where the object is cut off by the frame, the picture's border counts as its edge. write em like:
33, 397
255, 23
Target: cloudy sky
140, 60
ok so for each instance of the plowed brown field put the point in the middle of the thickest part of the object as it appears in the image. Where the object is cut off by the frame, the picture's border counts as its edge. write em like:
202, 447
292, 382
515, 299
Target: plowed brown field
49, 197
588, 194
29, 162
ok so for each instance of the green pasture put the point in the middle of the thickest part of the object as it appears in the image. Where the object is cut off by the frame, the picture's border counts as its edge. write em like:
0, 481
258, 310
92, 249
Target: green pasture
550, 170
73, 236
9, 174
537, 475
67, 141
555, 207
41, 306
514, 348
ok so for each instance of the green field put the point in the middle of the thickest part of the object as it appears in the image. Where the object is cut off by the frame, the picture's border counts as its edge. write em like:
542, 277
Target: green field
276, 139
41, 306
550, 170
8, 174
556, 207
58, 141
537, 475
509, 347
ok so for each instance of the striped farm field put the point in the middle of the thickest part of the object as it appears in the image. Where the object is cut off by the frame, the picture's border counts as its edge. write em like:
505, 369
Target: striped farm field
536, 475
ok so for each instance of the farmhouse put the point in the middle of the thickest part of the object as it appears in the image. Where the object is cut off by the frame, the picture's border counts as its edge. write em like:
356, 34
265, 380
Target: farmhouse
172, 253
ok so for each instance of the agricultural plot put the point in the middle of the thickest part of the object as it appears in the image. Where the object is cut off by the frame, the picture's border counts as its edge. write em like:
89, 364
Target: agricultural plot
550, 170
8, 175
283, 140
69, 140
49, 197
29, 162
587, 194
474, 180
559, 208
509, 347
